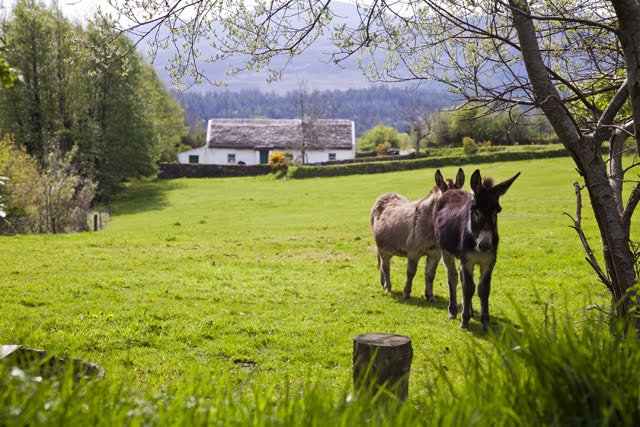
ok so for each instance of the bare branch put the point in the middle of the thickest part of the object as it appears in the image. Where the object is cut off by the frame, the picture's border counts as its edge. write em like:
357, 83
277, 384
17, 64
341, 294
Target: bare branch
577, 225
634, 198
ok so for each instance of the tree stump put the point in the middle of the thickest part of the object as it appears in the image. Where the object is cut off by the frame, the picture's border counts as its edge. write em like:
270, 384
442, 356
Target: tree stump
382, 360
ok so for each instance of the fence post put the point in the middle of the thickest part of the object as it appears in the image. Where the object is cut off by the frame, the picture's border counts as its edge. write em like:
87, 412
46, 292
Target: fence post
95, 222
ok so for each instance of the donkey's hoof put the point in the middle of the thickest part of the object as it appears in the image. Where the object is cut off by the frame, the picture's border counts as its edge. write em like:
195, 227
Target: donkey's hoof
464, 325
485, 322
406, 296
430, 298
452, 315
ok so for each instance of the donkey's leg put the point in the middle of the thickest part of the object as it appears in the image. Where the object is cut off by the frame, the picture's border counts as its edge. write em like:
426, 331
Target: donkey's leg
430, 273
412, 266
468, 289
385, 272
452, 278
484, 289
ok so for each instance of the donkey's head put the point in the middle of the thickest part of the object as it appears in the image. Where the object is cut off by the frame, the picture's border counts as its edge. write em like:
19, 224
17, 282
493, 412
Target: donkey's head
448, 184
484, 210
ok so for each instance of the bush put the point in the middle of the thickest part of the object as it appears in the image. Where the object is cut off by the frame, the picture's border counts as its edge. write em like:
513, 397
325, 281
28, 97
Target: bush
53, 200
469, 145
278, 161
377, 135
510, 153
383, 148
22, 192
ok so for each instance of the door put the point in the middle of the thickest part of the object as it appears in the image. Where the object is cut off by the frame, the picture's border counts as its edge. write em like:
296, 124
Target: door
264, 157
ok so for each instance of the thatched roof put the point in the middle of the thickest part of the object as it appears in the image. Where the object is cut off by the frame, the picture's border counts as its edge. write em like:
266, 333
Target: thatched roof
280, 134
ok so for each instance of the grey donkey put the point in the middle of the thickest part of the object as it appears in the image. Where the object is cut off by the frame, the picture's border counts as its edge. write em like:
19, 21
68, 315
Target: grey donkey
404, 228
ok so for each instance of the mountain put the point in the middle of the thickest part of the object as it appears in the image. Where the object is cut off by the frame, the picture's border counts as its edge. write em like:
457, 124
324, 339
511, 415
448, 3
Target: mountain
313, 66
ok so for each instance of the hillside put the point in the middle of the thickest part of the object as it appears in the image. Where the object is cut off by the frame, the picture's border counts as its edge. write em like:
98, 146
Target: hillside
393, 106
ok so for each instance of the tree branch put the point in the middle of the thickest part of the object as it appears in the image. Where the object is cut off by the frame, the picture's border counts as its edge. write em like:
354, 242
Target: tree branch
577, 225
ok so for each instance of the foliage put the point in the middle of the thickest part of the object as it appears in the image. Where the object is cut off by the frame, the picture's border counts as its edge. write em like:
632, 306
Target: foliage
23, 190
484, 156
81, 88
8, 75
278, 161
383, 148
379, 135
469, 145
449, 127
66, 196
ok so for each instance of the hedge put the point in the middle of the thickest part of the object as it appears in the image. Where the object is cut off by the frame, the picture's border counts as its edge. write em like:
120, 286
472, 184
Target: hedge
177, 170
531, 152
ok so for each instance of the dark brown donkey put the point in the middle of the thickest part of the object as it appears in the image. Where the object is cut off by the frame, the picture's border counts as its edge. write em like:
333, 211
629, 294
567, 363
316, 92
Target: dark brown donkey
404, 228
466, 227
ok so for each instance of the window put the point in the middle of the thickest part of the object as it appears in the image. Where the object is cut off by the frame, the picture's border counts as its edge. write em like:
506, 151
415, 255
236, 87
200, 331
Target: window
332, 156
194, 159
231, 158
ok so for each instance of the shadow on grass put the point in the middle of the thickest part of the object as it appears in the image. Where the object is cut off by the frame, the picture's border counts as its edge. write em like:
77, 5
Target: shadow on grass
145, 196
496, 323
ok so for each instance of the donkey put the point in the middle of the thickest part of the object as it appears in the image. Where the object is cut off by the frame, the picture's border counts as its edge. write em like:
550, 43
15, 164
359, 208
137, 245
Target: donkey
404, 228
466, 227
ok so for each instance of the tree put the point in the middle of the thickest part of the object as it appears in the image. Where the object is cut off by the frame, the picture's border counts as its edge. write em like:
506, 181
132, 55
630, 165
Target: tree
377, 136
309, 111
577, 61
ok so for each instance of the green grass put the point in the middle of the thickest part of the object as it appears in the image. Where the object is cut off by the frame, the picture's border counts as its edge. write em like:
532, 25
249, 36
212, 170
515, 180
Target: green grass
253, 278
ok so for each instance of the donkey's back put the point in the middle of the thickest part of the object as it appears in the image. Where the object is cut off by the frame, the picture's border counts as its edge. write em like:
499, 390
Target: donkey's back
405, 228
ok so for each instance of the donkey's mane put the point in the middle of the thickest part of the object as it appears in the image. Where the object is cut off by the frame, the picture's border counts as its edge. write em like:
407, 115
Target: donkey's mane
488, 183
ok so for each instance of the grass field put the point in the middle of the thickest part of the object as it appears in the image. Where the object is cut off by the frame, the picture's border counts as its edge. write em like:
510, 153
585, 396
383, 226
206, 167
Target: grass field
252, 277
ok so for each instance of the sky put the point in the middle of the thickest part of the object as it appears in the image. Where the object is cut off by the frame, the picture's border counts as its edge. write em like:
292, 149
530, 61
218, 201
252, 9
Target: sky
80, 8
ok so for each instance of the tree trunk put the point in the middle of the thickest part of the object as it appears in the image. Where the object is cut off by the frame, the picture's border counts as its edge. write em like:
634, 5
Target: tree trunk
585, 152
382, 360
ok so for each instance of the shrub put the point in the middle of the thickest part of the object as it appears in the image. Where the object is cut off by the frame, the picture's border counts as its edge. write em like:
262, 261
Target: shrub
278, 161
383, 148
379, 135
469, 145
22, 192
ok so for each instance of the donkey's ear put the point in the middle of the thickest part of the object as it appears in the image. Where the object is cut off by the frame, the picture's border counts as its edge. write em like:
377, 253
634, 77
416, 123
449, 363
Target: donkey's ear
460, 178
440, 181
502, 188
476, 182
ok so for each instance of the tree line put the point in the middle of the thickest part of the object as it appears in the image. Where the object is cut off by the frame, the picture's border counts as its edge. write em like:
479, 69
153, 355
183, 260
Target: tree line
85, 108
393, 106
470, 122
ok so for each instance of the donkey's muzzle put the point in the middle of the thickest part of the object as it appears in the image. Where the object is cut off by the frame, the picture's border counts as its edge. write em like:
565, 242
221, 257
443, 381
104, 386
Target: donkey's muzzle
485, 246
484, 242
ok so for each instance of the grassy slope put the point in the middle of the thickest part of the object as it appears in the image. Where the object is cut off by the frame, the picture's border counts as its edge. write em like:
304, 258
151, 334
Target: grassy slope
219, 275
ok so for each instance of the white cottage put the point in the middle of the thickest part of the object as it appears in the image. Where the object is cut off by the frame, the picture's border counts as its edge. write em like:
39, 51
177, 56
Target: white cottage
253, 141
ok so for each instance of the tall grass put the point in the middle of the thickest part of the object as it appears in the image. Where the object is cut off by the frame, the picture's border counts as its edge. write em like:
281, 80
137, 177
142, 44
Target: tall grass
549, 372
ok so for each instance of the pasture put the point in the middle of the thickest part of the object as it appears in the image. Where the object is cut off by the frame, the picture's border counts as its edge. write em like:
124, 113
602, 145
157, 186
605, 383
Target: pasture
257, 278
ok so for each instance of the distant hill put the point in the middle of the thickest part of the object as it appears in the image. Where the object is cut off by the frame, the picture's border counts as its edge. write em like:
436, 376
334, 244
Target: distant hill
393, 106
312, 66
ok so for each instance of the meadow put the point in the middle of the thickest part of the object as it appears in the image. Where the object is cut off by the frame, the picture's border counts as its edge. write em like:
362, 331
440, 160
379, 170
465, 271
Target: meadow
255, 279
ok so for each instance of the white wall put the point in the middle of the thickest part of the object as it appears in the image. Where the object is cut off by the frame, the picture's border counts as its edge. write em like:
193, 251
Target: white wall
213, 156
218, 156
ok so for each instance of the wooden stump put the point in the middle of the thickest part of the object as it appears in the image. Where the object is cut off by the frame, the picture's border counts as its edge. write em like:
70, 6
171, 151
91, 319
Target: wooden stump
382, 360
